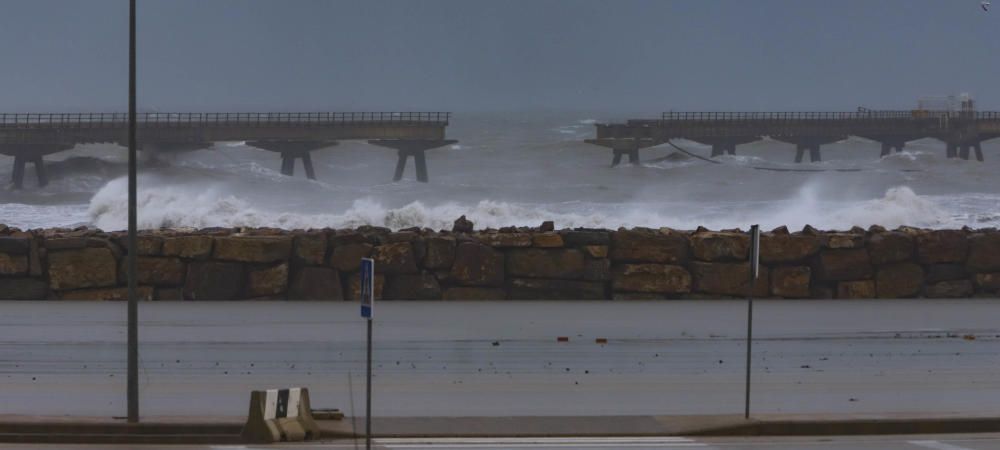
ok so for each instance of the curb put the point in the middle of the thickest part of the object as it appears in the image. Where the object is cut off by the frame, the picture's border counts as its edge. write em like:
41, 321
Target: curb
855, 427
119, 433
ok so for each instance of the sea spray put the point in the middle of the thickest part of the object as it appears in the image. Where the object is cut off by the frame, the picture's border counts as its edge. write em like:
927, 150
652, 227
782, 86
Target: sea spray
170, 205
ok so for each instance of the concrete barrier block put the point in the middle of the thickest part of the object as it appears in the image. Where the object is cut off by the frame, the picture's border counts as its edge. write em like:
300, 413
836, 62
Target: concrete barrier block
280, 415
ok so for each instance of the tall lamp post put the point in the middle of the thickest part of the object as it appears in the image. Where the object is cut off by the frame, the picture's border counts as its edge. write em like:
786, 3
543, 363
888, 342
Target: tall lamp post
133, 306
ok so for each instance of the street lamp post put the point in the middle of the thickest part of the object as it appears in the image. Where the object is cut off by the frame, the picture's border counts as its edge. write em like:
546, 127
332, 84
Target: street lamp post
133, 306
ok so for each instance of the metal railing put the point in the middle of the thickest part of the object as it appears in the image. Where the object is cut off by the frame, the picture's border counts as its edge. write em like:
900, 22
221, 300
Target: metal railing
855, 116
96, 120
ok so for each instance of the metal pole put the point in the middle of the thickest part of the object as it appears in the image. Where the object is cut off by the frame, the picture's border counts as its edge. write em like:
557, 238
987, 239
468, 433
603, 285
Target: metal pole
133, 307
368, 400
752, 282
746, 411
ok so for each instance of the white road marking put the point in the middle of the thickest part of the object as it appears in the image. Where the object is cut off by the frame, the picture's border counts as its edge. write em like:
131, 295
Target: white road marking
574, 442
937, 445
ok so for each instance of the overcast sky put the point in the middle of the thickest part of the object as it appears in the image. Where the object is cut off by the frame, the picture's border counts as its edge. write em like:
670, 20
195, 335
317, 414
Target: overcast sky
462, 55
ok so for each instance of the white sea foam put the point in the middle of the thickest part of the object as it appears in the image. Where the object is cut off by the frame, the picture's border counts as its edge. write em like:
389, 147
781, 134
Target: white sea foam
197, 206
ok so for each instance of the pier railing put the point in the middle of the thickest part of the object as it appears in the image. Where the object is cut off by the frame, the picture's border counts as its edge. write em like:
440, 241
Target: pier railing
159, 119
828, 116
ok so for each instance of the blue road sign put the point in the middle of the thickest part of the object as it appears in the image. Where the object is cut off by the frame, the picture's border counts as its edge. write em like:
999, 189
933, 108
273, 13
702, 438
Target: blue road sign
367, 287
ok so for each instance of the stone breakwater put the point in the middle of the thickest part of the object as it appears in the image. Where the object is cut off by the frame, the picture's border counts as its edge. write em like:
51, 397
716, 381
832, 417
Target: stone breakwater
511, 263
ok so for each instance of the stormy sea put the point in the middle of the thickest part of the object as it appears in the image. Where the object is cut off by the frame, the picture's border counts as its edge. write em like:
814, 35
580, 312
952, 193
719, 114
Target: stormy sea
519, 169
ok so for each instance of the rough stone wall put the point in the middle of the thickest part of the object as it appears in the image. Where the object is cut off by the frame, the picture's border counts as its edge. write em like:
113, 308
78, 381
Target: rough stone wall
511, 263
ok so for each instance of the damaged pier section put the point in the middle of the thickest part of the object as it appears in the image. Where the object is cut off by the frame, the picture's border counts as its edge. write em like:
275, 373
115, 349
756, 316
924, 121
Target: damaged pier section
962, 132
295, 136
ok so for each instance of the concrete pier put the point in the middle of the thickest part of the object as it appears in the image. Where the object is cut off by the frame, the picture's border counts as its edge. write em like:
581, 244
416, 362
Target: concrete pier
28, 137
293, 150
962, 131
624, 147
411, 148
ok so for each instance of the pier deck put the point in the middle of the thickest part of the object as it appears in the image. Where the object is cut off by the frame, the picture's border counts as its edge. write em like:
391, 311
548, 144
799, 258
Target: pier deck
29, 137
962, 132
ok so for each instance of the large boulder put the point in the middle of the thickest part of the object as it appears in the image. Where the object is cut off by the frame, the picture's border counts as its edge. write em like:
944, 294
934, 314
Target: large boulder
843, 265
988, 282
547, 240
477, 265
315, 283
440, 252
856, 289
213, 280
578, 238
542, 289
394, 258
597, 269
787, 248
646, 245
82, 268
267, 281
844, 240
474, 293
651, 278
942, 246
310, 249
541, 263
945, 272
504, 240
255, 249
23, 289
189, 247
728, 279
899, 280
14, 245
712, 246
13, 264
422, 286
984, 252
791, 281
950, 289
143, 293
890, 247
157, 271
347, 257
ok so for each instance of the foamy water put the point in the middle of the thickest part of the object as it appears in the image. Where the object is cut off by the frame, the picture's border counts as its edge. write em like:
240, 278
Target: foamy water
520, 171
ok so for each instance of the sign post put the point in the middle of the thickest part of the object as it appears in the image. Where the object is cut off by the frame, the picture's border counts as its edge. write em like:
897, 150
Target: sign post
754, 272
132, 385
367, 305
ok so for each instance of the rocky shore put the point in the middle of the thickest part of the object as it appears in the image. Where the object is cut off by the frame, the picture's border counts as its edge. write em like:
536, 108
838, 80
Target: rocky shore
510, 263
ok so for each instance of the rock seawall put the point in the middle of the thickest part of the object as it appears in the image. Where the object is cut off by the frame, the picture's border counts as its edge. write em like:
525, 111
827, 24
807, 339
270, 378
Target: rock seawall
511, 263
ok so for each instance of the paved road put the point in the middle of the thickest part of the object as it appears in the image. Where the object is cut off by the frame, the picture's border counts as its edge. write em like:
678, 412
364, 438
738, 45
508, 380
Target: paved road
939, 442
503, 358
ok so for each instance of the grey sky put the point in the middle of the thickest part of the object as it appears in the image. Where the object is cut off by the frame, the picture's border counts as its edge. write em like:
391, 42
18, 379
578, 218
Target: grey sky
612, 55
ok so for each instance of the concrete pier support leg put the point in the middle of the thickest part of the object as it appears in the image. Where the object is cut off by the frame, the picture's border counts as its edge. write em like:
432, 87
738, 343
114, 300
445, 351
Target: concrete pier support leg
617, 158
952, 151
886, 149
800, 151
307, 164
415, 148
40, 173
17, 176
814, 154
420, 160
718, 150
964, 152
400, 165
287, 164
633, 157
899, 147
979, 151
731, 149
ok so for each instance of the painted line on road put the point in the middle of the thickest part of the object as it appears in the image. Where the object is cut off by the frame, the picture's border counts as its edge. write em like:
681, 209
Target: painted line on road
600, 442
937, 445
